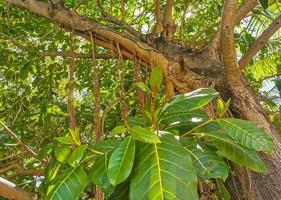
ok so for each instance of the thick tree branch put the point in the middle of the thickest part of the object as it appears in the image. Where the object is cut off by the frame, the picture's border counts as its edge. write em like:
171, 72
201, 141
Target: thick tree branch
102, 56
10, 191
159, 20
130, 46
260, 42
227, 39
29, 49
245, 9
240, 14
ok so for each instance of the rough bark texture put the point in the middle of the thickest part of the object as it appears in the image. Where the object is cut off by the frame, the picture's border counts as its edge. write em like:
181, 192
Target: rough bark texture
186, 69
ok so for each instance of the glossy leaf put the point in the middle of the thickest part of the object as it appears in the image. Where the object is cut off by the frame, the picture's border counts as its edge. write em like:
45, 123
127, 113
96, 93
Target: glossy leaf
143, 87
121, 161
183, 121
69, 186
144, 135
163, 171
76, 156
52, 170
222, 107
119, 130
105, 146
247, 134
64, 140
205, 159
75, 136
99, 171
190, 101
62, 153
234, 152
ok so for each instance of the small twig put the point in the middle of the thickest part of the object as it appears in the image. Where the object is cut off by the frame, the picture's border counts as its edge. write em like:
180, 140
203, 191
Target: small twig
71, 89
76, 6
114, 20
21, 170
110, 105
123, 105
260, 42
96, 94
19, 155
15, 137
200, 125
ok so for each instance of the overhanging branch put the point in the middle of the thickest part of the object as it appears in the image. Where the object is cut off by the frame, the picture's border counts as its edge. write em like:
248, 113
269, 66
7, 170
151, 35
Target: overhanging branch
130, 46
260, 42
245, 9
227, 43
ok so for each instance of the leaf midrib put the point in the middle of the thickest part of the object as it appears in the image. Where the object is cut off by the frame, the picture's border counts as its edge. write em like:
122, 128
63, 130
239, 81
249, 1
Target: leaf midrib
62, 182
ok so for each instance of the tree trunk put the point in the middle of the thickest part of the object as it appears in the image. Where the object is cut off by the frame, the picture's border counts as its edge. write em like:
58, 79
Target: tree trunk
188, 74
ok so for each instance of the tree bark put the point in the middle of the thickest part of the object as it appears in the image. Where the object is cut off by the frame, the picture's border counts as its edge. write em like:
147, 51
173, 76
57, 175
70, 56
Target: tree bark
9, 190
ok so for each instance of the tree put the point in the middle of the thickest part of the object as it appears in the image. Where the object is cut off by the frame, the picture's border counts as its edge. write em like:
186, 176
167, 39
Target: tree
186, 65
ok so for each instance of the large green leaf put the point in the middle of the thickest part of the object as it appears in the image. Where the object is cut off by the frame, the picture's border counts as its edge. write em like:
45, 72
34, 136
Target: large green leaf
163, 171
121, 161
183, 121
190, 101
247, 134
62, 152
99, 171
234, 152
205, 159
105, 146
144, 135
69, 185
76, 156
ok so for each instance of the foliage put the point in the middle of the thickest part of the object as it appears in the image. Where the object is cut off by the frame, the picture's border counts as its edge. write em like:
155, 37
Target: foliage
165, 154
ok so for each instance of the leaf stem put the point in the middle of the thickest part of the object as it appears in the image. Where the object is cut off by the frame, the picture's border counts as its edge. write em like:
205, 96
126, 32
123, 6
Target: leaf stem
200, 125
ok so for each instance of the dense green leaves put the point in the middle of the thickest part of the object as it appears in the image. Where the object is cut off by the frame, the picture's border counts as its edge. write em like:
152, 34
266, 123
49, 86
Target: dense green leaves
144, 135
121, 161
205, 159
234, 152
69, 186
163, 171
247, 134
